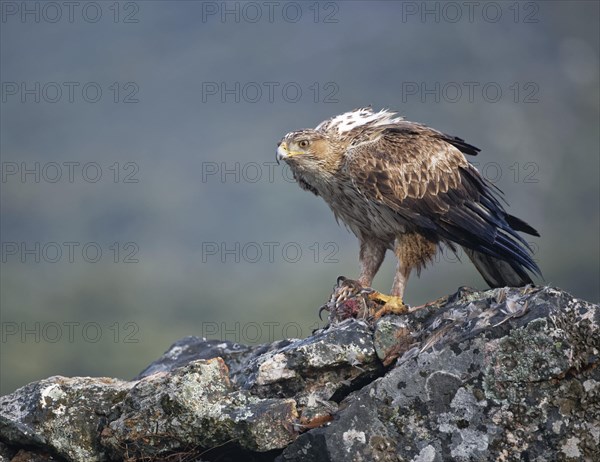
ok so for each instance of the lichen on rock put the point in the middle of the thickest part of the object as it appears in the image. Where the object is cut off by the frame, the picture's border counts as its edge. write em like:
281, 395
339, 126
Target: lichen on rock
504, 374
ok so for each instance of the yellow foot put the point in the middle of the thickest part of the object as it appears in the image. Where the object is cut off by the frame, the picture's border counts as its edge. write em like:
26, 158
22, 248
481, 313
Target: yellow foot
391, 305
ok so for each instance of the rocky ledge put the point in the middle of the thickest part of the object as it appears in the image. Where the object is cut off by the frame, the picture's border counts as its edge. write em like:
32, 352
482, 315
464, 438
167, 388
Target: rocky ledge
505, 374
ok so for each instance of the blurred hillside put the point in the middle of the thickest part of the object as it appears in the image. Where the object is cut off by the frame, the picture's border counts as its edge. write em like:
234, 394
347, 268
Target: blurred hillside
140, 199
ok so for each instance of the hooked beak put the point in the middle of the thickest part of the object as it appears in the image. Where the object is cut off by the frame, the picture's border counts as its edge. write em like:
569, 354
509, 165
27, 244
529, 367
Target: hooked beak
282, 151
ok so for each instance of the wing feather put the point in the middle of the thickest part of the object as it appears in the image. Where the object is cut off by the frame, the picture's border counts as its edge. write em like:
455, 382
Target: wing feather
423, 175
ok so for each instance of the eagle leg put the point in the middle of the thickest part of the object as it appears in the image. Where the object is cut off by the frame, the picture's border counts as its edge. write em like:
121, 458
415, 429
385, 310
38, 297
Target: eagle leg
413, 251
372, 253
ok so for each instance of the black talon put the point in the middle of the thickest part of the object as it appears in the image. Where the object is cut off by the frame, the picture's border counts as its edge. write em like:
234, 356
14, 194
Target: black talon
323, 308
342, 279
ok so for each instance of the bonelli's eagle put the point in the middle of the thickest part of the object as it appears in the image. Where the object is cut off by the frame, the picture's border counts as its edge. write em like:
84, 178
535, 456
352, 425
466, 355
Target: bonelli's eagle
403, 186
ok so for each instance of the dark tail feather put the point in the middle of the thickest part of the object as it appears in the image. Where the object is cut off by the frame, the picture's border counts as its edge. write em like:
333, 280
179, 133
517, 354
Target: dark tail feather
519, 225
498, 273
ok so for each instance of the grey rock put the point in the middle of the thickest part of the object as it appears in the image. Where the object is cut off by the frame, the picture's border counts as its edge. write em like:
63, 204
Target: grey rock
192, 348
329, 361
235, 355
61, 415
197, 406
505, 374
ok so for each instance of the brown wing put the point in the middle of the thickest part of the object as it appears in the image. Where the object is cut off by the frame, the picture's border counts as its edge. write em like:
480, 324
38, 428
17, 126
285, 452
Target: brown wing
423, 176
405, 162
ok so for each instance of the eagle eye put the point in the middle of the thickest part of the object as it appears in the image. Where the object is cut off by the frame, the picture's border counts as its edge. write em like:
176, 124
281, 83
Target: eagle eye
303, 143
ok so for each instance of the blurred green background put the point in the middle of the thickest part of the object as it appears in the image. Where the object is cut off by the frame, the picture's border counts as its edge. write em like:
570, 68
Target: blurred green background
200, 232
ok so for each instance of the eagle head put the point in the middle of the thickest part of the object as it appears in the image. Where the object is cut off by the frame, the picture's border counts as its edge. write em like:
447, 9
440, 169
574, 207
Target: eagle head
312, 157
323, 146
303, 147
